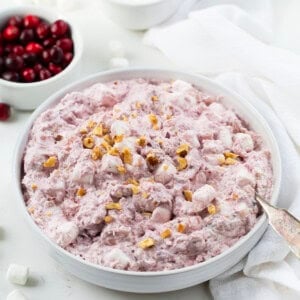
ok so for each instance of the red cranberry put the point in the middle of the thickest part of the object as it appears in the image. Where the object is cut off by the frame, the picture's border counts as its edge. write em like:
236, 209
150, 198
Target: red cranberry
42, 31
34, 47
68, 58
56, 54
29, 59
15, 21
11, 76
37, 68
1, 50
28, 75
54, 69
47, 43
4, 111
8, 48
18, 50
65, 44
14, 62
26, 36
1, 64
46, 56
1, 39
44, 74
59, 28
31, 21
11, 33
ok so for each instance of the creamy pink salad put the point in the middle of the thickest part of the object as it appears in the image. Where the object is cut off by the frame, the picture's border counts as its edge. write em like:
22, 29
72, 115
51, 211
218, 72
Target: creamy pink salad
144, 175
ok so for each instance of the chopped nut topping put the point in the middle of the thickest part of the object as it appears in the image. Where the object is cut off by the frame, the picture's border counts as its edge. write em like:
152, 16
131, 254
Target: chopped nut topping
108, 139
135, 189
188, 195
34, 187
108, 219
229, 161
119, 138
88, 142
230, 155
50, 162
81, 192
168, 117
153, 119
113, 205
126, 156
133, 181
141, 141
96, 153
113, 151
155, 127
235, 196
221, 160
183, 150
166, 233
146, 243
211, 209
121, 169
31, 210
106, 145
165, 167
182, 163
138, 105
91, 124
83, 131
48, 213
152, 159
147, 214
145, 195
98, 131
133, 115
181, 227
154, 98
124, 118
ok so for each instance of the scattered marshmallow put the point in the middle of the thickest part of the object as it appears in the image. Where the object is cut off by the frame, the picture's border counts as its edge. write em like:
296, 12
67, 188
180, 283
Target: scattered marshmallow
203, 196
117, 257
116, 48
161, 215
119, 128
16, 295
118, 62
66, 233
165, 172
110, 163
17, 274
243, 141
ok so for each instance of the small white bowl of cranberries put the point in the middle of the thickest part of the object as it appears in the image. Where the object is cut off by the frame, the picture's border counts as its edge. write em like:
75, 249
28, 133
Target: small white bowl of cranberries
40, 52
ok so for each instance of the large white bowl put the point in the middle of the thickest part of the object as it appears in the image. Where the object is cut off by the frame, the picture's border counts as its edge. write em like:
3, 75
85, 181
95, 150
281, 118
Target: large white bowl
153, 282
28, 96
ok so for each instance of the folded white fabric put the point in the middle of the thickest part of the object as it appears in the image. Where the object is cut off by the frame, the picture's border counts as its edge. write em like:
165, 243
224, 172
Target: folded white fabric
232, 42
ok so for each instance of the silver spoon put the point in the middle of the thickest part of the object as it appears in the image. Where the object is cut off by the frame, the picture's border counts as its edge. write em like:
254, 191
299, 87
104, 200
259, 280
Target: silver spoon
284, 223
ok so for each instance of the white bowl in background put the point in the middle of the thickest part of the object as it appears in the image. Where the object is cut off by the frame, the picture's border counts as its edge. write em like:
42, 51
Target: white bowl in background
160, 281
139, 14
28, 96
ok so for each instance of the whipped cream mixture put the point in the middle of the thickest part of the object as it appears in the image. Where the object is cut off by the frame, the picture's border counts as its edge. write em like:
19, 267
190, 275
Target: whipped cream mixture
144, 175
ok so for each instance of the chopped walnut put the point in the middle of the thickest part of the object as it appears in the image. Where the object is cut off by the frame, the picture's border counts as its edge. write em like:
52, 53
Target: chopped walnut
133, 181
118, 138
31, 210
108, 219
145, 195
183, 150
91, 124
182, 163
126, 156
154, 98
138, 105
181, 227
96, 153
229, 161
153, 119
188, 195
34, 187
106, 145
146, 243
135, 189
166, 233
165, 167
211, 209
230, 155
50, 162
141, 141
152, 159
235, 196
121, 169
107, 138
88, 142
113, 151
83, 131
48, 213
81, 192
98, 131
113, 206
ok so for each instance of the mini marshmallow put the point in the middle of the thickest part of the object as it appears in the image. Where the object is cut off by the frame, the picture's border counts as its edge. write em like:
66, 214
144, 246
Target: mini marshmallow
16, 295
243, 141
203, 196
117, 257
17, 274
161, 215
118, 62
165, 172
225, 137
66, 233
128, 142
116, 48
119, 128
244, 177
110, 163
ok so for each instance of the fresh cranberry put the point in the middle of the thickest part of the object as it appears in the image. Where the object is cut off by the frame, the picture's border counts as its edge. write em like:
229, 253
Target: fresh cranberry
44, 74
18, 50
65, 44
31, 21
14, 62
4, 111
42, 31
8, 48
1, 64
11, 33
68, 58
1, 39
59, 28
56, 54
15, 21
54, 69
46, 56
34, 47
26, 36
1, 50
37, 68
11, 76
29, 59
28, 75
47, 43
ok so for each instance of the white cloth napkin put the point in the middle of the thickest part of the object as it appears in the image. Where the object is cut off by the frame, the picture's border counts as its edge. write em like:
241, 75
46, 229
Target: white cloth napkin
232, 43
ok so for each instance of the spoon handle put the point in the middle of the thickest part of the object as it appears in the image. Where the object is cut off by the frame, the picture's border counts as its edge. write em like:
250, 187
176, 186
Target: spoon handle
284, 223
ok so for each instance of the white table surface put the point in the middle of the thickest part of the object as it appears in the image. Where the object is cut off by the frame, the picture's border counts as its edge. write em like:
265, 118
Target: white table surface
17, 243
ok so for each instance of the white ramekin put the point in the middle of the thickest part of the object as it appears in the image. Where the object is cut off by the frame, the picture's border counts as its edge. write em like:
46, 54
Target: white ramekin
139, 16
28, 96
154, 282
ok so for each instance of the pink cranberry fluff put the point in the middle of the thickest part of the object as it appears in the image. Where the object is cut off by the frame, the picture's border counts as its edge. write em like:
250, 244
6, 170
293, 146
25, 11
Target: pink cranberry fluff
144, 175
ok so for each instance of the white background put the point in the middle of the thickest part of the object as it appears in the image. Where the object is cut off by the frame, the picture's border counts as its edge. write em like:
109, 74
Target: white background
17, 243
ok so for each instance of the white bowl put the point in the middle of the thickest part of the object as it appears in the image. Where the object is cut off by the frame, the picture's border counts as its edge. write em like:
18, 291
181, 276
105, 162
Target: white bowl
28, 96
161, 281
139, 14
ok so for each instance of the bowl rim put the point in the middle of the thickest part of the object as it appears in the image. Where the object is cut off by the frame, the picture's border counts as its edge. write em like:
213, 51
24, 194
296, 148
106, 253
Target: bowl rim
42, 10
23, 137
138, 5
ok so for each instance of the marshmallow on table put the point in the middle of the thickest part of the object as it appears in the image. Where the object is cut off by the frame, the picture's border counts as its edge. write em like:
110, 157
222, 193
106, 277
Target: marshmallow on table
17, 274
16, 295
118, 62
